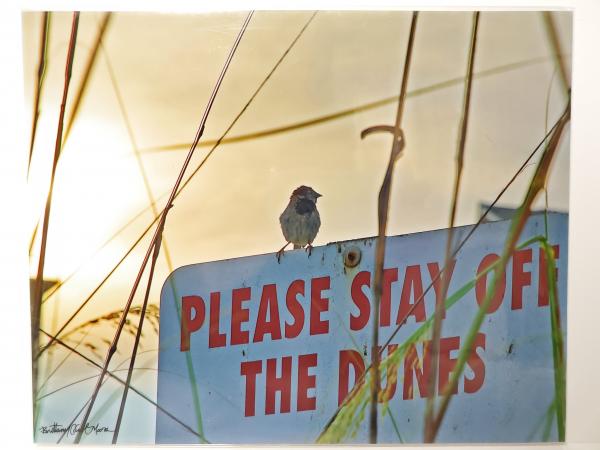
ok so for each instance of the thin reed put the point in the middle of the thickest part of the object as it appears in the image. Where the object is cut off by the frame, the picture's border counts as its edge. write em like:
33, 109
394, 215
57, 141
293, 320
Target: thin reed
113, 376
517, 224
41, 76
336, 426
383, 203
428, 433
154, 246
87, 72
36, 300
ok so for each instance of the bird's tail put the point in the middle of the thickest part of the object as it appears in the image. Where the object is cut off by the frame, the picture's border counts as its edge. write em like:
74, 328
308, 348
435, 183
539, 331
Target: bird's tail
296, 246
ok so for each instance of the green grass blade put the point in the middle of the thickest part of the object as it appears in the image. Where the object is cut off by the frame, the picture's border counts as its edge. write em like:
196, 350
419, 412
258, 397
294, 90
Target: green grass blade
395, 425
543, 420
349, 418
557, 342
517, 225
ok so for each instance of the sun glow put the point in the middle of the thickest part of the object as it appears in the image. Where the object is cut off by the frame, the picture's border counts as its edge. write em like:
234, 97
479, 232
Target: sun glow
93, 175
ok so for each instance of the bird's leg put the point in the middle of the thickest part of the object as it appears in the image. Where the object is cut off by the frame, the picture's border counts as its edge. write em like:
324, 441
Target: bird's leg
309, 248
280, 252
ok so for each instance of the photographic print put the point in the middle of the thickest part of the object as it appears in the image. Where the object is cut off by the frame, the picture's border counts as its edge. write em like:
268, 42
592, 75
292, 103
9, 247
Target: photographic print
298, 227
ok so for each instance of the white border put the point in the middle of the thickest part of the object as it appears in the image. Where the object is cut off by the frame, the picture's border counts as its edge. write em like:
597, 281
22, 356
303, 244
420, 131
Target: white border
583, 407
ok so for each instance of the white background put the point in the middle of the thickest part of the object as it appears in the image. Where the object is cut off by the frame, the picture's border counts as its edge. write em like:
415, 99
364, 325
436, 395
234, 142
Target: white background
583, 414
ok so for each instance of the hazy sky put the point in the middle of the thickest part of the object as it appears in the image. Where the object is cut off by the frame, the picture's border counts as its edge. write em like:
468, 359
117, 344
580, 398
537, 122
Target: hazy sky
165, 67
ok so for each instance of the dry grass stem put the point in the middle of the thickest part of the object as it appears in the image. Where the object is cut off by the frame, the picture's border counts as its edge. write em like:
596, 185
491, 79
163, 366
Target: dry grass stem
383, 202
41, 75
91, 61
432, 377
155, 242
36, 300
517, 225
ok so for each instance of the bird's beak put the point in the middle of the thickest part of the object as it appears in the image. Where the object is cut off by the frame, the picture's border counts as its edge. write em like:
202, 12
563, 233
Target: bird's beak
318, 195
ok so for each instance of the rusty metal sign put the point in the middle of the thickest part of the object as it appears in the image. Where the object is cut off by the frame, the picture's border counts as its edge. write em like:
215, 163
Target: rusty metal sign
252, 351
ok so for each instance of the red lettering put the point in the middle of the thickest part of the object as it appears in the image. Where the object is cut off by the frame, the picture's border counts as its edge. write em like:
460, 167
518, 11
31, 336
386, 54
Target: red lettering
477, 366
306, 382
318, 304
520, 278
481, 284
268, 303
215, 339
239, 315
295, 308
543, 299
412, 283
389, 276
282, 384
447, 363
361, 300
250, 369
348, 358
434, 270
421, 370
190, 303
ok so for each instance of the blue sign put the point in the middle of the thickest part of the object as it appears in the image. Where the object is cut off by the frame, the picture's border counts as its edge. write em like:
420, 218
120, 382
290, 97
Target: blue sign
256, 351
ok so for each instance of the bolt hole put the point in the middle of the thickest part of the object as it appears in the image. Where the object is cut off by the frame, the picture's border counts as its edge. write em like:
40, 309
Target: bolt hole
352, 257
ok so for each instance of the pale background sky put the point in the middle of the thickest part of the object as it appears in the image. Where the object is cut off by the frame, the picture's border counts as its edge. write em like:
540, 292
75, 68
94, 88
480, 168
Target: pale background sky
165, 67
329, 232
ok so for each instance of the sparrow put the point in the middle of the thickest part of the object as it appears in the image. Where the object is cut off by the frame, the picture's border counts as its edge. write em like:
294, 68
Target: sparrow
300, 220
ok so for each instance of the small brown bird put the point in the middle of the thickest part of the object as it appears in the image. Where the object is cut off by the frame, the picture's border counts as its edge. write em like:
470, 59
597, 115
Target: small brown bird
300, 220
